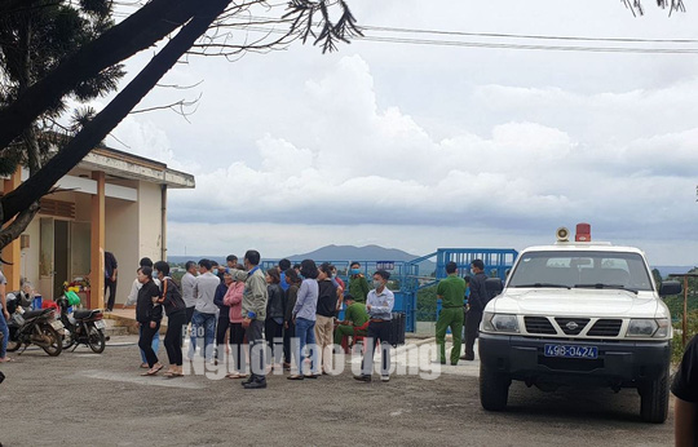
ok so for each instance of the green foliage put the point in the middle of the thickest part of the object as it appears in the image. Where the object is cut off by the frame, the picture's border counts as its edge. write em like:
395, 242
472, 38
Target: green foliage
675, 304
177, 276
34, 40
426, 304
691, 331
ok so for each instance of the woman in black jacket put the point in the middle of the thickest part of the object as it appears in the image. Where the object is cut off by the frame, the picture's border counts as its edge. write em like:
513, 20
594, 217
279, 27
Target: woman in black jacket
175, 308
273, 325
148, 316
294, 282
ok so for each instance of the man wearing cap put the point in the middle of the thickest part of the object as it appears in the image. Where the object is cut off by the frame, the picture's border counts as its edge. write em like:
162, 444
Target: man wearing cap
451, 292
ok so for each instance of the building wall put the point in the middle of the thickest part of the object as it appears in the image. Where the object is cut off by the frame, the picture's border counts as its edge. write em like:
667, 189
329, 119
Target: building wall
150, 221
121, 238
133, 230
30, 256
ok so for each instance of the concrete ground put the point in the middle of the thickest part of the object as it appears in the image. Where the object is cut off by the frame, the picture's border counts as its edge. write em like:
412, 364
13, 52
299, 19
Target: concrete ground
81, 398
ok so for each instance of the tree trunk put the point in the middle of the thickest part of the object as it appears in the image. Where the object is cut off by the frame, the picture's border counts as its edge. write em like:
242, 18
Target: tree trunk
141, 30
40, 184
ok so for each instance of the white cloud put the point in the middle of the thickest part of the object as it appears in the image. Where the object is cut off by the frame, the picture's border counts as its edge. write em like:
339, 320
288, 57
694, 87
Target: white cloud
382, 167
444, 146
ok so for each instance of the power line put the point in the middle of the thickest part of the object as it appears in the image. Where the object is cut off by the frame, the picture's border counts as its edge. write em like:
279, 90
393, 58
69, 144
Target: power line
500, 45
511, 46
517, 36
370, 36
528, 36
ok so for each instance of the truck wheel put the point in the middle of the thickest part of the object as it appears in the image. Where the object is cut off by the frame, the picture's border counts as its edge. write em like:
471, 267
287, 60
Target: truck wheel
494, 389
654, 400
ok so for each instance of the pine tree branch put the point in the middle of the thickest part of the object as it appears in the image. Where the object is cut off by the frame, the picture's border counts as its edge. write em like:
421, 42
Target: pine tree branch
39, 184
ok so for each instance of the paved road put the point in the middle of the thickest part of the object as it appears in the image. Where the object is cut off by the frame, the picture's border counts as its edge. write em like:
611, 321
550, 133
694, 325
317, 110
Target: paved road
82, 398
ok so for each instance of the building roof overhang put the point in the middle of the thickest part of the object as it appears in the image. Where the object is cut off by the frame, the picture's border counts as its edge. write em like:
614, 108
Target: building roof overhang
129, 166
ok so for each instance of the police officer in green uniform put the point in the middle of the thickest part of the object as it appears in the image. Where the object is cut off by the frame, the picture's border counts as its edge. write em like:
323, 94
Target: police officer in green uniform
451, 292
355, 316
358, 285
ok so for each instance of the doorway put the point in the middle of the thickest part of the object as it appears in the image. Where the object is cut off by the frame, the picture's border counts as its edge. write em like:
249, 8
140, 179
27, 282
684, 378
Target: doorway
54, 260
61, 256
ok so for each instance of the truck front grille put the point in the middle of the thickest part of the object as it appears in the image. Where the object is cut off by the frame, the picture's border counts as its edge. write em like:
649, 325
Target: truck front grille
605, 328
572, 326
539, 325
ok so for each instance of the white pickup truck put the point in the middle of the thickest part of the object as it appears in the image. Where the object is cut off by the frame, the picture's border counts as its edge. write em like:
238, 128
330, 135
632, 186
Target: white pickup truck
578, 313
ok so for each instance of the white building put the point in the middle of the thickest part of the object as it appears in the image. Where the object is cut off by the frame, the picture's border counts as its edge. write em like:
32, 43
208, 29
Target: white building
112, 201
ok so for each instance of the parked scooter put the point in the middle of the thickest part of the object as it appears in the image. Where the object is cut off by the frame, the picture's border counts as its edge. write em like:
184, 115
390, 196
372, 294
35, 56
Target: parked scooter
38, 327
82, 326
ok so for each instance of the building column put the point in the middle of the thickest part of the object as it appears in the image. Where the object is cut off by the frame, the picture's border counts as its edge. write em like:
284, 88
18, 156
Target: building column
97, 244
163, 222
13, 252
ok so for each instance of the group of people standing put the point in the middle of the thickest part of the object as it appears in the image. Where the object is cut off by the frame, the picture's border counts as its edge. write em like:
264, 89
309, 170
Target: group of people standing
286, 311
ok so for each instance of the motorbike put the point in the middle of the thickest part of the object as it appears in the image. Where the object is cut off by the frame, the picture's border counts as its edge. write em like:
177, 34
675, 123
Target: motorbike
38, 327
82, 327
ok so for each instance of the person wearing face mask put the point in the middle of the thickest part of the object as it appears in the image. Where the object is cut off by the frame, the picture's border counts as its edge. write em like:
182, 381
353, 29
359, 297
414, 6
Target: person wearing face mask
358, 285
379, 304
131, 300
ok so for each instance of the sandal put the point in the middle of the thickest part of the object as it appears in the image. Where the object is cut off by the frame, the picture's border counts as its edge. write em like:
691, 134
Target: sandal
296, 377
7, 360
152, 371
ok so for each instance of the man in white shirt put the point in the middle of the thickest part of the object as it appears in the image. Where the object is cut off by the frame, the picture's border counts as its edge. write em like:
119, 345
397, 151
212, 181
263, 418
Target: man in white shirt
188, 281
205, 312
379, 304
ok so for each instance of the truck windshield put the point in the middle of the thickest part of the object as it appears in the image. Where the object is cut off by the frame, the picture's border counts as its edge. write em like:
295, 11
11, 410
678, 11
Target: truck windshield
588, 269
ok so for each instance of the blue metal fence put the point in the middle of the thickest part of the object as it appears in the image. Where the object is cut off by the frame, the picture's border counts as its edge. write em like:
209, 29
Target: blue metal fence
405, 279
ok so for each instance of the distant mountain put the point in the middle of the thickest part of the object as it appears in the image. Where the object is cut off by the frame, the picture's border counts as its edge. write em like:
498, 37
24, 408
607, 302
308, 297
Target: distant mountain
335, 253
377, 253
367, 253
179, 259
351, 252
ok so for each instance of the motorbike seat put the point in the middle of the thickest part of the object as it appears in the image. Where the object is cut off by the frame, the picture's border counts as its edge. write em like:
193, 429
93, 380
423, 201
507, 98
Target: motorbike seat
35, 313
85, 314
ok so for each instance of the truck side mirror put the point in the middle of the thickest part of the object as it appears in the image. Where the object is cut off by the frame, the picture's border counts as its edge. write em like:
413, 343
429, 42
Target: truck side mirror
669, 288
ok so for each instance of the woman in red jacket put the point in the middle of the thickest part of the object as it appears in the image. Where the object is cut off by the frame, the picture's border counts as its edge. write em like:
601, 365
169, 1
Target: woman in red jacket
233, 298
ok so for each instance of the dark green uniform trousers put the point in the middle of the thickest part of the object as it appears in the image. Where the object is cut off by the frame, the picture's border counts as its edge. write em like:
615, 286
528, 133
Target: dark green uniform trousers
452, 317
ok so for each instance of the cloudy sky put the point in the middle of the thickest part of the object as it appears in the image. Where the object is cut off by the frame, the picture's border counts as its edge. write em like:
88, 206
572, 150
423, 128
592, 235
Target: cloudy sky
424, 146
